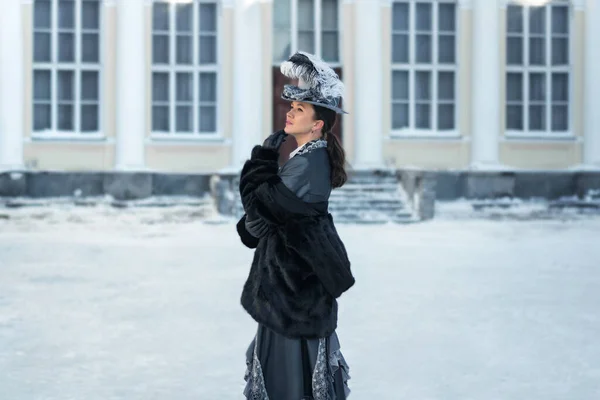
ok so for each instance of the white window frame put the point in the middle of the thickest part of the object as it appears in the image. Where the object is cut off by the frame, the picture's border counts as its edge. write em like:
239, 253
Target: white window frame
434, 67
194, 68
76, 67
547, 70
318, 4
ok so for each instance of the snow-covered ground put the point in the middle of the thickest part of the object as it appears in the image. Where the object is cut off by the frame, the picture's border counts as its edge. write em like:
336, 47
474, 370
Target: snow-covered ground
100, 304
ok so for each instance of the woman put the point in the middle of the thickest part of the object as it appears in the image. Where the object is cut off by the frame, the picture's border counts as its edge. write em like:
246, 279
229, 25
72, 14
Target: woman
300, 265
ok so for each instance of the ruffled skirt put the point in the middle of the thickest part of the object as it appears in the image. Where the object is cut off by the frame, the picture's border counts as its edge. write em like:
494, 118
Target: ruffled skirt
275, 369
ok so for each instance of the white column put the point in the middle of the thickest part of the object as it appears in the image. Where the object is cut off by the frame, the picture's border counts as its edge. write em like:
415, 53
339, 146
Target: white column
591, 143
485, 84
247, 110
131, 84
368, 103
11, 85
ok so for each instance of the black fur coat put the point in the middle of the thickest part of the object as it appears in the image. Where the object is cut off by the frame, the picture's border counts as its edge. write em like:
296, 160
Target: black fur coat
300, 265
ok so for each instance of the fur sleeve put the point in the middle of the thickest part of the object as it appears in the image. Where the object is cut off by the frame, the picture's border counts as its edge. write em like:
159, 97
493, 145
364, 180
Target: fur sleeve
247, 239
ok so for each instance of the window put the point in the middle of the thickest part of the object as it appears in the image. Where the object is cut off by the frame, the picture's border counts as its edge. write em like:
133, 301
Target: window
424, 66
184, 68
537, 77
66, 66
306, 25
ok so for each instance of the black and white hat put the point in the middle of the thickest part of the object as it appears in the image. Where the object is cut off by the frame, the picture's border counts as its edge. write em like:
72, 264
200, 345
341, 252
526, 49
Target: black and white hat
318, 83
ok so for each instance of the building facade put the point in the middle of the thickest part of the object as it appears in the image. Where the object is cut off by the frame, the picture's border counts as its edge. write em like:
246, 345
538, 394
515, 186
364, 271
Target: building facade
191, 86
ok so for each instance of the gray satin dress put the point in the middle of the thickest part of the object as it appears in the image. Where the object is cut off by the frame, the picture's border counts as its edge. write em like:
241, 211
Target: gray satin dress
276, 367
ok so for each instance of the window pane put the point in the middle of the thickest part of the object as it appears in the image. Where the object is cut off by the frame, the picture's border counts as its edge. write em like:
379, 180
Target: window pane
160, 86
400, 17
42, 118
208, 49
514, 51
184, 119
424, 16
184, 50
537, 20
66, 87
160, 16
423, 116
560, 118
306, 42
208, 119
560, 51
447, 17
90, 50
514, 19
560, 19
446, 49
89, 85
160, 49
400, 48
306, 15
208, 86
160, 118
400, 116
208, 17
89, 118
90, 14
41, 85
66, 47
514, 117
445, 85
514, 86
537, 86
41, 47
537, 51
537, 118
42, 14
282, 44
445, 117
65, 117
560, 87
400, 85
185, 86
184, 14
424, 49
282, 14
66, 13
330, 47
329, 15
423, 85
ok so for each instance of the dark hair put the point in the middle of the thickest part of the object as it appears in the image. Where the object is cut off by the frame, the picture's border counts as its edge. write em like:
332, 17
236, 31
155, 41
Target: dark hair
337, 155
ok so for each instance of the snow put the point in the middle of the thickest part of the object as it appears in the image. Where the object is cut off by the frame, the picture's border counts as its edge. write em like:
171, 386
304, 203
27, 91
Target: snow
101, 303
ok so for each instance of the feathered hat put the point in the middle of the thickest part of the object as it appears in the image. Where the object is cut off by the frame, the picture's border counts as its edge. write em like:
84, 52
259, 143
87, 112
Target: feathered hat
318, 83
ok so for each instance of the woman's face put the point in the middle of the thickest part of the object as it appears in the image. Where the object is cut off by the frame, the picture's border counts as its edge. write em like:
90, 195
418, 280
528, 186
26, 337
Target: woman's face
300, 119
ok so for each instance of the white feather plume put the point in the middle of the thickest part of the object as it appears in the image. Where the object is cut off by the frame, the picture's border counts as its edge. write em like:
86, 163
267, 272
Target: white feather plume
321, 77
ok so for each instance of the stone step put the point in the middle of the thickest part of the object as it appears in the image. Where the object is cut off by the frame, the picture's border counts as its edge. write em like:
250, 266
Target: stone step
386, 207
355, 187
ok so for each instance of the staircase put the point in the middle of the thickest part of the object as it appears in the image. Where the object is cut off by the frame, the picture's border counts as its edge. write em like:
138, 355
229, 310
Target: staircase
370, 198
367, 198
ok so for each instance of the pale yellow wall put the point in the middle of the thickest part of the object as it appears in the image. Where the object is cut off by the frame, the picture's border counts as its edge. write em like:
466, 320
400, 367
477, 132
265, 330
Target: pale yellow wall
187, 157
435, 154
267, 75
27, 34
540, 154
348, 40
69, 156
